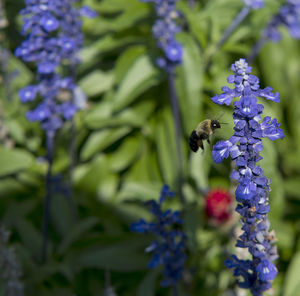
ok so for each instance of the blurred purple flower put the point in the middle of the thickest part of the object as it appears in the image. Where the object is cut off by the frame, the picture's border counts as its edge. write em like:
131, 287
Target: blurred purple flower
255, 4
54, 37
288, 16
164, 30
169, 248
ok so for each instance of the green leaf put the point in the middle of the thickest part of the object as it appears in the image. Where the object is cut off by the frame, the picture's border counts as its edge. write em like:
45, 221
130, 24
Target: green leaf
98, 114
61, 214
291, 187
16, 210
100, 140
123, 256
96, 50
140, 76
30, 236
13, 161
196, 22
16, 130
111, 6
269, 165
136, 116
292, 280
107, 186
76, 233
190, 80
125, 155
96, 82
147, 286
127, 14
138, 190
126, 59
165, 141
24, 74
200, 164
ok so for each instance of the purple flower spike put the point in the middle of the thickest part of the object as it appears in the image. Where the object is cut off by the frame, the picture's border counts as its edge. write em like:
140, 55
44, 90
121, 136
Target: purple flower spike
164, 30
253, 188
169, 249
288, 16
54, 38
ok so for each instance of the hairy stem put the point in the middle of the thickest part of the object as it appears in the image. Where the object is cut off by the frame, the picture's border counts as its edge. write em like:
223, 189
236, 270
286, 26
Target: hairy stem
178, 128
47, 203
256, 49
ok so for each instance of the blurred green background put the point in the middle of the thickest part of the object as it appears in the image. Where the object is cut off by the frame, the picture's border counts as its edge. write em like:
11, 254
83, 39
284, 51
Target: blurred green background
125, 152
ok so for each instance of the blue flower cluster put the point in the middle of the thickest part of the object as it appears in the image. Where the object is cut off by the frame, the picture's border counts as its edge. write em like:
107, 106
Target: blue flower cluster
169, 248
164, 30
54, 37
252, 193
255, 4
289, 16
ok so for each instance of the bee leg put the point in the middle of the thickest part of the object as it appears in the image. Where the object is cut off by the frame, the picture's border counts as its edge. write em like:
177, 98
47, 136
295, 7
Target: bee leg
200, 144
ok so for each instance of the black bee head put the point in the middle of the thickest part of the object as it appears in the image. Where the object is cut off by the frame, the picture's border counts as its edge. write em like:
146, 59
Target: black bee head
215, 124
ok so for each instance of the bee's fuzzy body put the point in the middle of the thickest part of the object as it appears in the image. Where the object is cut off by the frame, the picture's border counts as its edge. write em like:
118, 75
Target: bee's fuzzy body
203, 131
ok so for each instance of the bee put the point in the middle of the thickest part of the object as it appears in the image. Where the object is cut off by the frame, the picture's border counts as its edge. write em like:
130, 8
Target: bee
203, 131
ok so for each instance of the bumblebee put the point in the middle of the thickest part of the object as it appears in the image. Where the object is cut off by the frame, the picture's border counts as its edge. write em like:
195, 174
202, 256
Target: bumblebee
203, 131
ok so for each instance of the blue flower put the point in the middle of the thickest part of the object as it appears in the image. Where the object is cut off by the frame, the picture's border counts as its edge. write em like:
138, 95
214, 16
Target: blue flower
221, 151
54, 37
28, 93
288, 16
169, 247
253, 187
266, 270
164, 30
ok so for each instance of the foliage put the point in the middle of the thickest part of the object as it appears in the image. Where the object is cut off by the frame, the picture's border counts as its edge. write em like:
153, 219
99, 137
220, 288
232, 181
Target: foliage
125, 152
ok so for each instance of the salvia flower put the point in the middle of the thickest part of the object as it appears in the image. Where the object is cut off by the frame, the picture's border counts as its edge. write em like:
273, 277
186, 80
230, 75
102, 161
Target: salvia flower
164, 31
218, 205
288, 16
54, 38
252, 193
169, 247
